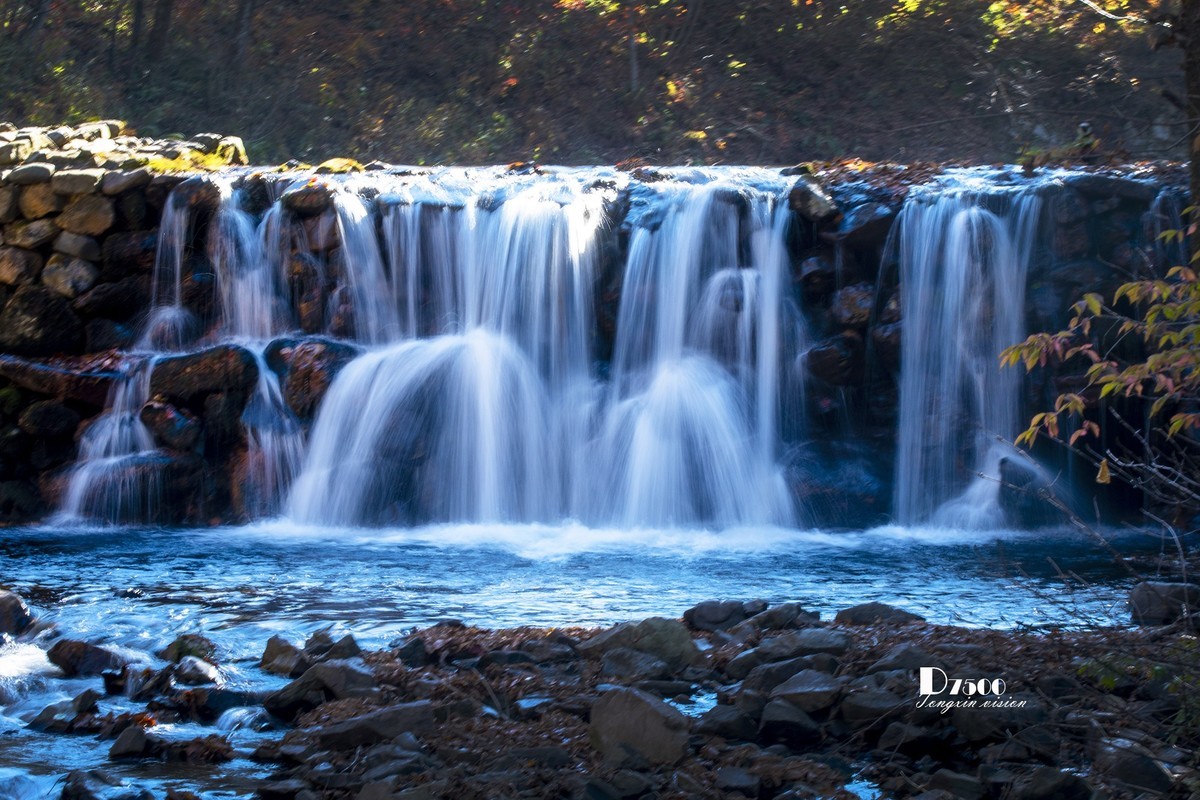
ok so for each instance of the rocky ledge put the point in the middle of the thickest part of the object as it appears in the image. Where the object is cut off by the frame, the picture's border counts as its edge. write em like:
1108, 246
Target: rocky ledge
737, 699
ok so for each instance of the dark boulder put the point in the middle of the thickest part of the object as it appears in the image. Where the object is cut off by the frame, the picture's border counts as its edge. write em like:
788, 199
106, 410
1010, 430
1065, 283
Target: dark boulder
309, 368
20, 501
127, 254
851, 306
810, 201
39, 322
377, 726
14, 614
172, 427
866, 225
188, 379
786, 724
1163, 602
839, 360
48, 419
875, 613
120, 300
80, 658
714, 615
86, 385
332, 680
631, 726
308, 199
105, 334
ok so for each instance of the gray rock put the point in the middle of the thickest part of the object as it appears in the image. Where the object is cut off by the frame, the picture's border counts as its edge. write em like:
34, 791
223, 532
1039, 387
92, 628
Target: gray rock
194, 671
332, 680
628, 725
875, 613
907, 657
810, 690
80, 658
714, 615
811, 641
783, 722
134, 742
728, 722
34, 172
119, 182
810, 200
738, 781
666, 639
77, 181
871, 707
377, 726
1162, 602
14, 614
968, 787
766, 677
906, 738
1127, 762
624, 662
73, 244
31, 235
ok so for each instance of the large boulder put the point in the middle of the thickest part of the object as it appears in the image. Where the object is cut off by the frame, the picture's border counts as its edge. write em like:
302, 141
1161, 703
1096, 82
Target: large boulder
875, 613
666, 639
838, 360
14, 614
383, 725
810, 690
88, 386
331, 680
629, 726
1163, 602
48, 419
308, 369
125, 254
188, 379
80, 658
39, 322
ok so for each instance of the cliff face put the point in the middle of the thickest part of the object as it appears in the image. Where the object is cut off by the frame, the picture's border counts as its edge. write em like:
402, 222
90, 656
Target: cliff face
107, 272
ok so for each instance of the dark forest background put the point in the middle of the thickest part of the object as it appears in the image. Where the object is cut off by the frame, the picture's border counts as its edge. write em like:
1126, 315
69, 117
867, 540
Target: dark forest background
579, 81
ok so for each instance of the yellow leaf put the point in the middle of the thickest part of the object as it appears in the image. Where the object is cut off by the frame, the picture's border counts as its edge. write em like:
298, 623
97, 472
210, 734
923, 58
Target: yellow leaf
1104, 476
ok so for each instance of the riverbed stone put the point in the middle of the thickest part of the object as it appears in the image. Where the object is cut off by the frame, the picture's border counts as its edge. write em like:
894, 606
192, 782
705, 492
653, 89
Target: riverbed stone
74, 244
15, 617
38, 322
97, 785
332, 680
625, 662
787, 724
852, 306
80, 658
631, 726
1129, 763
377, 726
728, 722
984, 724
666, 639
193, 671
810, 690
875, 613
1162, 602
281, 657
714, 615
873, 707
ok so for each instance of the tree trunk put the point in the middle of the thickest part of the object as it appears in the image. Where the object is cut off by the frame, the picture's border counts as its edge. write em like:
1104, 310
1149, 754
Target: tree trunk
161, 29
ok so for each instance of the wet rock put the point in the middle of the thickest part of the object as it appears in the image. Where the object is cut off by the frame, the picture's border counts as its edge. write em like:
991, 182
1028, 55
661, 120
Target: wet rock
765, 677
1068, 208
308, 200
117, 301
172, 427
38, 322
332, 680
808, 641
69, 276
785, 723
1127, 762
838, 360
875, 613
126, 254
1162, 602
86, 386
310, 369
188, 378
19, 267
96, 785
851, 306
193, 671
818, 276
40, 200
784, 615
810, 200
866, 225
281, 657
88, 215
199, 193
810, 690
80, 658
377, 726
714, 615
134, 742
1096, 185
48, 419
322, 647
871, 707
666, 639
728, 722
631, 726
14, 614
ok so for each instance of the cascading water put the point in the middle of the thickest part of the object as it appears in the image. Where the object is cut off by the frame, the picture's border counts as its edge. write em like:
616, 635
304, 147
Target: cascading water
964, 256
116, 477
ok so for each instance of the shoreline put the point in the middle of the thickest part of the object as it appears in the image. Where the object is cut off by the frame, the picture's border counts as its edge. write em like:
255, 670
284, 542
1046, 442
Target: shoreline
737, 699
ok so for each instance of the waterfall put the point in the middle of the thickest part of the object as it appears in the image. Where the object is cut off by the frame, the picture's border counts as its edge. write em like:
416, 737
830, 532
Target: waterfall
170, 325
116, 479
964, 256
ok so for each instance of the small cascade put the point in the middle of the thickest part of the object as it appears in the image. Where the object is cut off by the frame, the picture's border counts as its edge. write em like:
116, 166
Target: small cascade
362, 305
964, 256
171, 326
116, 479
249, 281
275, 445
